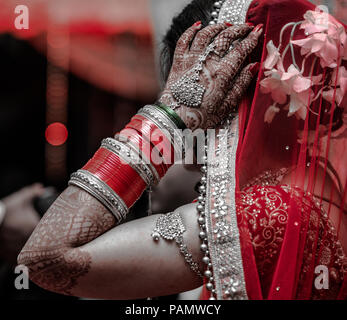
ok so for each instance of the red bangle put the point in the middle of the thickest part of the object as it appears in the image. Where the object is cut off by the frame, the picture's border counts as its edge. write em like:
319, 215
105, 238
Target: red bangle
118, 175
155, 135
146, 149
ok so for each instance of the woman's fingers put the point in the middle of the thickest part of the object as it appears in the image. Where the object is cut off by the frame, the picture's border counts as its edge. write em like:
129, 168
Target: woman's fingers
206, 36
239, 87
187, 37
30, 192
233, 61
224, 40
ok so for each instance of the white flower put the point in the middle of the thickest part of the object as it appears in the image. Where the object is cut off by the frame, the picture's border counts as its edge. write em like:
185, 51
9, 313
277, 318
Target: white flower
273, 55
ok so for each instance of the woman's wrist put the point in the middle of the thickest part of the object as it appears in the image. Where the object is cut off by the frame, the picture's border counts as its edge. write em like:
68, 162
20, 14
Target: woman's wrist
173, 115
192, 118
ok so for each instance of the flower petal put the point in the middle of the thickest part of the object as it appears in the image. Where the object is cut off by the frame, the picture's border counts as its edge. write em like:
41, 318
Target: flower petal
301, 84
279, 96
291, 73
270, 113
273, 56
297, 107
330, 95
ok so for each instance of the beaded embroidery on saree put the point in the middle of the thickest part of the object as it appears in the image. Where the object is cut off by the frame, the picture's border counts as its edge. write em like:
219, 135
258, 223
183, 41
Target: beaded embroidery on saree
221, 220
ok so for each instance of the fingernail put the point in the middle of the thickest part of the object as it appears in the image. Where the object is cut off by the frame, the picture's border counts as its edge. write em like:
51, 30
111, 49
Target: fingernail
254, 69
250, 24
229, 24
258, 27
197, 24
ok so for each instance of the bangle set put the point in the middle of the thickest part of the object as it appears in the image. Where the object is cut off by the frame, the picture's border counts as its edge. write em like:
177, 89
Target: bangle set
149, 129
167, 123
139, 156
148, 153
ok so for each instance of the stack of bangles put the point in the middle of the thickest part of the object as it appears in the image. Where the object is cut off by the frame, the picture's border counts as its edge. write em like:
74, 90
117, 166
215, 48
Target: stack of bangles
139, 156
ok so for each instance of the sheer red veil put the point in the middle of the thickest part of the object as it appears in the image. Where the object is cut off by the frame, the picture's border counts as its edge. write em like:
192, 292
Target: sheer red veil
292, 132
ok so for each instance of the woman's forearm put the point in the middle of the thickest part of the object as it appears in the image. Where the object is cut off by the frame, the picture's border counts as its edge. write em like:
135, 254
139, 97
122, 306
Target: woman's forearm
99, 197
52, 253
77, 250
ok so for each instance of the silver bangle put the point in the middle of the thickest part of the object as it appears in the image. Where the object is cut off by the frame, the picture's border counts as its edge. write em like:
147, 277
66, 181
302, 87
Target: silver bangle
132, 158
163, 122
101, 191
136, 149
170, 227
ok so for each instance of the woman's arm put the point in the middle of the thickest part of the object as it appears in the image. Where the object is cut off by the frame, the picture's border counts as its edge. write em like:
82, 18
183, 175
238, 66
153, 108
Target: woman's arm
74, 251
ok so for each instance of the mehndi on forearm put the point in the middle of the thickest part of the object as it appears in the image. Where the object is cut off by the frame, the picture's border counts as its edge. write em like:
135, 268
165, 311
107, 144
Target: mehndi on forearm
52, 253
99, 197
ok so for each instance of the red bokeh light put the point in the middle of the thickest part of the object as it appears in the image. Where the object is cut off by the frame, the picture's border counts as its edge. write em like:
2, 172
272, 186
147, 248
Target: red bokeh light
56, 134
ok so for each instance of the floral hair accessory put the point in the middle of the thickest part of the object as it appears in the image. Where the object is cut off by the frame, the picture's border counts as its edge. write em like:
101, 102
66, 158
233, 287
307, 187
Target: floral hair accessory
326, 38
293, 89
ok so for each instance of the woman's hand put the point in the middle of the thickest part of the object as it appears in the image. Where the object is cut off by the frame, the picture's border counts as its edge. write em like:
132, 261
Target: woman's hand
221, 76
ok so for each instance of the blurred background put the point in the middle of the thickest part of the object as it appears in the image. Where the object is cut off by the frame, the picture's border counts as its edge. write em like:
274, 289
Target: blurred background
77, 75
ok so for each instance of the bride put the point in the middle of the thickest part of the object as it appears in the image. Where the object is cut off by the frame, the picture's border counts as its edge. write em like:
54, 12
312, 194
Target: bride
270, 221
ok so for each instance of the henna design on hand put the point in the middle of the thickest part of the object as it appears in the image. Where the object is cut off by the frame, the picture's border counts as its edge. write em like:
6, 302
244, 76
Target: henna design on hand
221, 68
52, 253
236, 57
238, 89
227, 37
205, 37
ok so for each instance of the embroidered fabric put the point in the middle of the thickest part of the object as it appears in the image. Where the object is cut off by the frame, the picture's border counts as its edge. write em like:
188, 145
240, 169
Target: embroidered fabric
262, 213
262, 209
220, 211
292, 117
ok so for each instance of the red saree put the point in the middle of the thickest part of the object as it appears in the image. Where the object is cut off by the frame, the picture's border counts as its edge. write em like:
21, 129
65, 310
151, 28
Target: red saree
278, 248
289, 236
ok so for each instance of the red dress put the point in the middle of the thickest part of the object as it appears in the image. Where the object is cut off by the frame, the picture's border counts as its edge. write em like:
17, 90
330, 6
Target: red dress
281, 251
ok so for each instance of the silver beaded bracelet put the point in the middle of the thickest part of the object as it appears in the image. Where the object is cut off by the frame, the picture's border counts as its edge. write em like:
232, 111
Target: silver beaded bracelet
170, 227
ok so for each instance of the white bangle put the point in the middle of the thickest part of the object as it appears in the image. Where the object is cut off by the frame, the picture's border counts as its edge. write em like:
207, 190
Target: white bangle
2, 211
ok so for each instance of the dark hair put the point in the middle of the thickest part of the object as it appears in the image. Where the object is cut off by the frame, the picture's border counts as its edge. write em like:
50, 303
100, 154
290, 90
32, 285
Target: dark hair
197, 10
